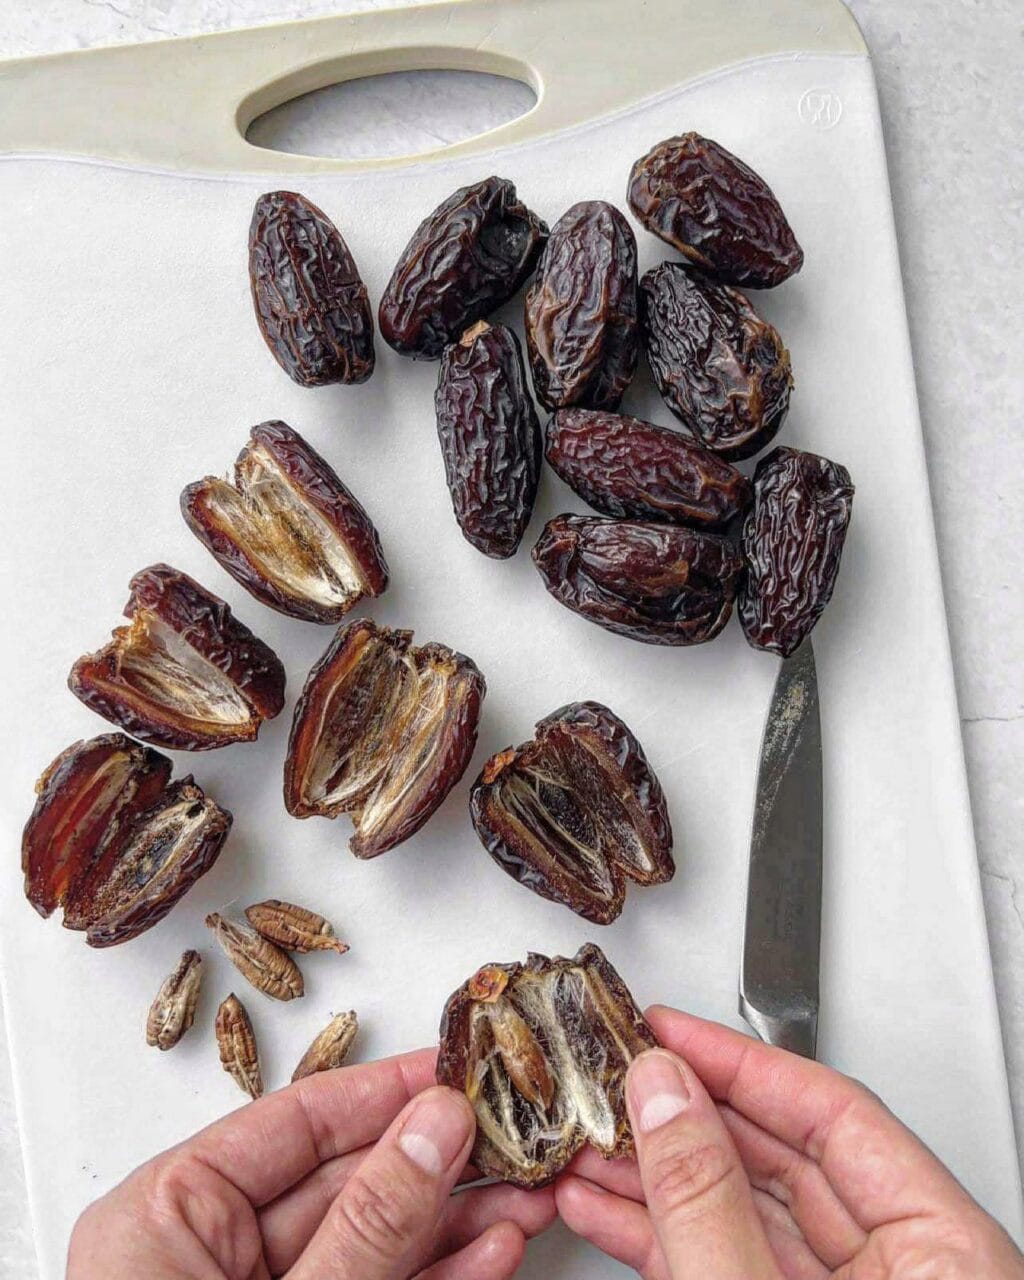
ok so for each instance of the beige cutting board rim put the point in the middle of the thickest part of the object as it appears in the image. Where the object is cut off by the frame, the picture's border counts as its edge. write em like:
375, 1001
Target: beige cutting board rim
76, 103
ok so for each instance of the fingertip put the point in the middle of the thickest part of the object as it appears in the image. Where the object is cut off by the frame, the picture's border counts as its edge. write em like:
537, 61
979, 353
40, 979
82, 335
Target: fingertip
618, 1227
436, 1130
659, 1087
571, 1192
501, 1246
542, 1211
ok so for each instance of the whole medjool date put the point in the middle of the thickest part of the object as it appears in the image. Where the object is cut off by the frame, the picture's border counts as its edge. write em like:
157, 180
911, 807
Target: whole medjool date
716, 210
490, 438
722, 370
582, 332
469, 256
793, 542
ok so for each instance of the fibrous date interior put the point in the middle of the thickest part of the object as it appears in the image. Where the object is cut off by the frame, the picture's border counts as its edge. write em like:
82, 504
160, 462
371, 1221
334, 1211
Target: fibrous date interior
541, 1052
382, 731
288, 529
113, 841
185, 673
576, 812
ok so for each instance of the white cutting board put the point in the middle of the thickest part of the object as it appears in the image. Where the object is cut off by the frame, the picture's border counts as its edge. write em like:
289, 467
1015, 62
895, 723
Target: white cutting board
131, 364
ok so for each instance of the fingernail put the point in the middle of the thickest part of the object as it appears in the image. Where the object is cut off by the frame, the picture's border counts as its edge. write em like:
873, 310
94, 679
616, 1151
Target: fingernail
436, 1131
657, 1090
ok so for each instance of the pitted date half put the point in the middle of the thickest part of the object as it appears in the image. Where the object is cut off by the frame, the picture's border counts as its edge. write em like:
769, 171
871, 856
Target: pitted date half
311, 304
715, 210
658, 583
288, 529
382, 731
628, 468
576, 812
490, 437
185, 673
582, 332
722, 370
793, 541
541, 1052
113, 841
469, 256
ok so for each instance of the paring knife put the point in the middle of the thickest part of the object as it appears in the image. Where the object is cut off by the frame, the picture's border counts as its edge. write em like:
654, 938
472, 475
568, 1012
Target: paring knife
779, 972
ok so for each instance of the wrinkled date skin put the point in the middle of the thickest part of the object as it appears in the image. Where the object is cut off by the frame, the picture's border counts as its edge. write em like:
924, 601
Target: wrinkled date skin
722, 370
634, 470
582, 332
469, 256
541, 1051
288, 529
576, 812
715, 210
661, 584
114, 841
382, 731
185, 673
793, 542
490, 437
311, 304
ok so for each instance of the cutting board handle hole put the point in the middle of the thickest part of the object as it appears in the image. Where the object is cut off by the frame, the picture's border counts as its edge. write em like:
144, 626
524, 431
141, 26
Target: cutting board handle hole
356, 110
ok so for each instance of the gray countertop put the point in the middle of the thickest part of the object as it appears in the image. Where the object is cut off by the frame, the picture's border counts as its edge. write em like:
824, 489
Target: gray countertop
946, 72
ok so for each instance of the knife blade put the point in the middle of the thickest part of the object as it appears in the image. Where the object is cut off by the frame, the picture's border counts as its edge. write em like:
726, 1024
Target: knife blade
782, 938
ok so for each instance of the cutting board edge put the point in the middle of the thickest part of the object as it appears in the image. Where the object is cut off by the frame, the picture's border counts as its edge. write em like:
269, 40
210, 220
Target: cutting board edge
124, 102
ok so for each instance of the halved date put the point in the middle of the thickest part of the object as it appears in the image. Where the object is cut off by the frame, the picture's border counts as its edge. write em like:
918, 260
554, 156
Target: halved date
541, 1052
793, 542
721, 369
90, 790
715, 210
628, 468
288, 529
469, 256
576, 812
490, 437
662, 584
311, 303
113, 841
185, 674
383, 730
582, 332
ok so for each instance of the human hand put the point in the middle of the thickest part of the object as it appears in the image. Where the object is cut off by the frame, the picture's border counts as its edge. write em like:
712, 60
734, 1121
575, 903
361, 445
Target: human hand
346, 1174
798, 1173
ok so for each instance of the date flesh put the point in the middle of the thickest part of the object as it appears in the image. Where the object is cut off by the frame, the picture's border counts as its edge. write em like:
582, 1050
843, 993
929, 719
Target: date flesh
288, 529
113, 841
793, 542
632, 469
383, 730
721, 369
658, 583
541, 1052
715, 210
582, 332
311, 304
576, 812
185, 673
490, 437
465, 259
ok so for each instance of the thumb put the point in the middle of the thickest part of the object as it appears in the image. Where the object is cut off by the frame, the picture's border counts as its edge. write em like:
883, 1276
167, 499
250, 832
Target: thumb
382, 1223
697, 1193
